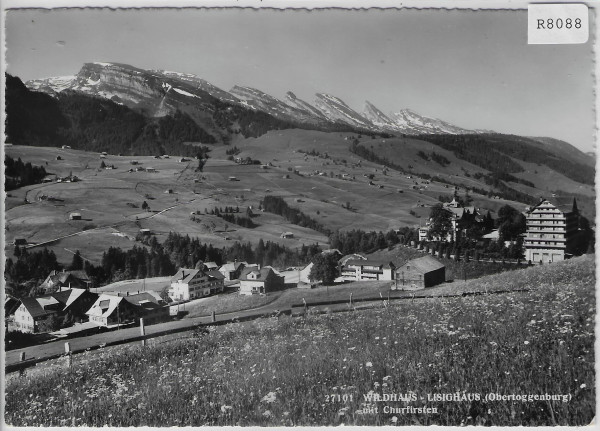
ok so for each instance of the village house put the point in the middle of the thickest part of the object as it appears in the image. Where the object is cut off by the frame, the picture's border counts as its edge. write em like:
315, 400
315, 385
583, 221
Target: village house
287, 235
552, 227
67, 279
37, 314
153, 308
34, 315
232, 270
75, 216
75, 302
255, 280
420, 273
111, 311
367, 270
195, 283
458, 214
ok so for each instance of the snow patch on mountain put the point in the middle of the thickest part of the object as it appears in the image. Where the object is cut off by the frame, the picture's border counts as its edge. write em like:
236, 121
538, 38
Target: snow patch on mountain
336, 109
185, 93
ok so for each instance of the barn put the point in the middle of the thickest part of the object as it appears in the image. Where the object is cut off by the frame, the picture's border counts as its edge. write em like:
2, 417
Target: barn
420, 273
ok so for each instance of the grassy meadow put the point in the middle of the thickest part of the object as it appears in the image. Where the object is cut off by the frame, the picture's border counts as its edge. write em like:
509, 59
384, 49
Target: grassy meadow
318, 369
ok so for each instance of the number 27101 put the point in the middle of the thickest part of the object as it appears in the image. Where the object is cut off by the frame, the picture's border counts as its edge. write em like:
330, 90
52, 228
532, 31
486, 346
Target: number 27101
338, 398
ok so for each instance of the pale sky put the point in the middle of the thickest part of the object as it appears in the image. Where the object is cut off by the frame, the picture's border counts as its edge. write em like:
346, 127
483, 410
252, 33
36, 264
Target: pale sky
470, 68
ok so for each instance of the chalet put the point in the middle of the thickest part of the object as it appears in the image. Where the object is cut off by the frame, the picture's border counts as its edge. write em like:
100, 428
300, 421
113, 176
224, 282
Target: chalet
195, 283
20, 241
75, 216
75, 302
420, 273
58, 279
169, 191
64, 147
287, 235
233, 179
153, 308
134, 162
150, 169
34, 315
49, 178
112, 311
232, 270
552, 227
260, 281
367, 270
145, 232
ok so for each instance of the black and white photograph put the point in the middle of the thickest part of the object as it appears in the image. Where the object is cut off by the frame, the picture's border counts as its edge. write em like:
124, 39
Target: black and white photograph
294, 214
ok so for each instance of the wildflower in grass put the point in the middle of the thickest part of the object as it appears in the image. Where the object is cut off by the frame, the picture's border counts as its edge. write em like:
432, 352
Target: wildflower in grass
226, 409
270, 398
394, 419
582, 386
526, 342
267, 413
369, 364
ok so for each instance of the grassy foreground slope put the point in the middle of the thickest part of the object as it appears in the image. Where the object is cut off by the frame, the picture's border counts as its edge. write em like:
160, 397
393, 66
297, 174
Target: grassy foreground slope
281, 372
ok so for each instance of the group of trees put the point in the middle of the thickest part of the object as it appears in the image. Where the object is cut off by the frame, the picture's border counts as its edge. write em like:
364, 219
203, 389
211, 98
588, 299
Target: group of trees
438, 158
277, 205
25, 270
357, 240
497, 153
18, 174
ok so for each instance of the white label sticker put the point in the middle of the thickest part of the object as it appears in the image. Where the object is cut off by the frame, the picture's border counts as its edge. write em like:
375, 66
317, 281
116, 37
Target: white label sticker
557, 23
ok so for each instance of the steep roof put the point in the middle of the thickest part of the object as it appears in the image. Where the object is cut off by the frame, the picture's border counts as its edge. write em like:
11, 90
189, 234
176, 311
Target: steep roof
34, 307
425, 264
185, 275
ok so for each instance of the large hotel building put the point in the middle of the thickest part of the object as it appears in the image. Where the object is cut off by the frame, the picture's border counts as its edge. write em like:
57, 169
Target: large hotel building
552, 226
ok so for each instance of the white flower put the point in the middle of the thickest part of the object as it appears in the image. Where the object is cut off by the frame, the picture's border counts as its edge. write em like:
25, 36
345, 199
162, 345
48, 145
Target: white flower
226, 409
394, 419
525, 342
271, 397
583, 385
369, 364
267, 413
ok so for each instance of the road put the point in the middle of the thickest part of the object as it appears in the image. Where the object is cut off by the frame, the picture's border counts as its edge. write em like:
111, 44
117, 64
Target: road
81, 343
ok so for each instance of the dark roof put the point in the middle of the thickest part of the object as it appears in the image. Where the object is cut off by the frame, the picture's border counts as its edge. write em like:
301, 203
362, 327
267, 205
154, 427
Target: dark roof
10, 305
144, 297
63, 296
33, 307
425, 264
214, 273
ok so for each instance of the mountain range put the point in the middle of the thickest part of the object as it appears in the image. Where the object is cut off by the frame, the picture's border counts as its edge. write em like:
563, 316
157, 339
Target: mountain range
158, 93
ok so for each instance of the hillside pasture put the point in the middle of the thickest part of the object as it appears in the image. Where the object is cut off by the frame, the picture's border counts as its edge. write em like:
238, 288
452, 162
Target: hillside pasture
290, 371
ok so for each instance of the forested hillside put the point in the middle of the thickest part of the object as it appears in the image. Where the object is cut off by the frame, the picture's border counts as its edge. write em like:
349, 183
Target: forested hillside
497, 152
94, 124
